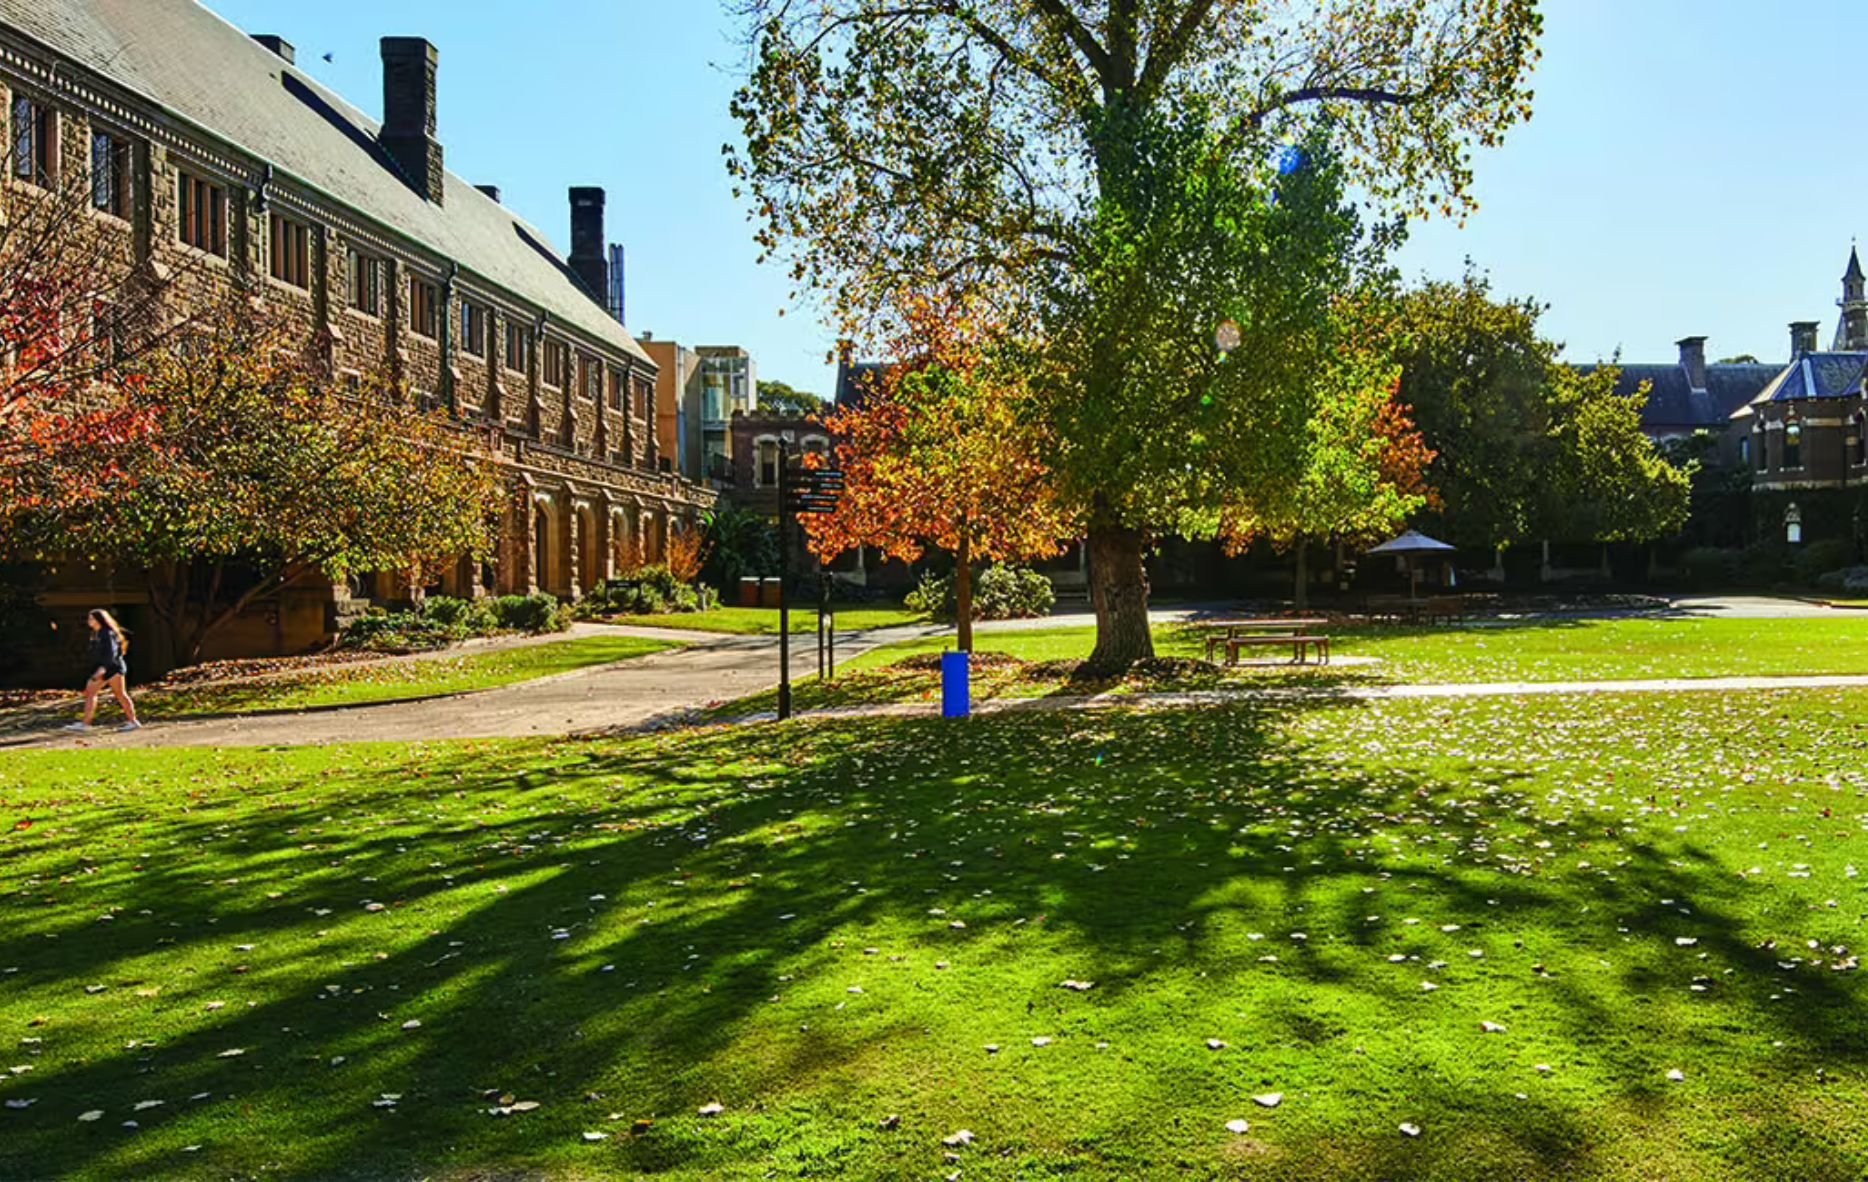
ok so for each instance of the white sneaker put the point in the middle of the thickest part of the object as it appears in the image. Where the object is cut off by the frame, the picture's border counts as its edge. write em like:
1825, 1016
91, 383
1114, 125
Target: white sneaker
131, 726
79, 727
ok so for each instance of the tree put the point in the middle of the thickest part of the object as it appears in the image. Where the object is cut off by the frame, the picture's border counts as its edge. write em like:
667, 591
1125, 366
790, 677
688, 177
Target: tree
1012, 150
1609, 483
77, 317
1364, 474
1525, 446
939, 456
780, 399
1740, 359
259, 472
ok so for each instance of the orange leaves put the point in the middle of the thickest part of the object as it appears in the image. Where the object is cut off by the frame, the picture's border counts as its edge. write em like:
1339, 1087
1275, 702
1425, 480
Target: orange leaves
941, 454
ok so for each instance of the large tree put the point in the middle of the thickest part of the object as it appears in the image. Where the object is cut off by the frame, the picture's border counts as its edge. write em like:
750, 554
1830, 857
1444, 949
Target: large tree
1526, 447
1100, 170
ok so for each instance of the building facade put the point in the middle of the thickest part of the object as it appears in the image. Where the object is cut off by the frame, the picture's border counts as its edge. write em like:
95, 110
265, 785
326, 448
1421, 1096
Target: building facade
209, 152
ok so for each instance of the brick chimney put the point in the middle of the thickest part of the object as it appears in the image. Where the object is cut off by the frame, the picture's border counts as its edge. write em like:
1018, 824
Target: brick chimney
587, 257
1802, 338
1693, 360
278, 45
408, 133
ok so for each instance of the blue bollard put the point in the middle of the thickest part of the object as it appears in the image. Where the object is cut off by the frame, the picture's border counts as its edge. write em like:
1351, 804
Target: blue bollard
956, 688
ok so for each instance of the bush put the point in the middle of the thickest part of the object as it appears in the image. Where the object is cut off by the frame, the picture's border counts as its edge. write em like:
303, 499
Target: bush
1818, 557
399, 632
538, 612
473, 617
1000, 592
653, 590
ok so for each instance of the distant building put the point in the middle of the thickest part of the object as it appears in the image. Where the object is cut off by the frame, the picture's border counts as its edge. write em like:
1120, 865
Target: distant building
698, 390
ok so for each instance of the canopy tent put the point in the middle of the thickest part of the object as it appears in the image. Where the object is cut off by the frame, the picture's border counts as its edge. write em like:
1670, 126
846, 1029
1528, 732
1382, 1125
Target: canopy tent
1408, 548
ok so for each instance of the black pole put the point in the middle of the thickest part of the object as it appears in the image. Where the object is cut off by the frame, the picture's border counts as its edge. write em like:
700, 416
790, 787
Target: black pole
784, 566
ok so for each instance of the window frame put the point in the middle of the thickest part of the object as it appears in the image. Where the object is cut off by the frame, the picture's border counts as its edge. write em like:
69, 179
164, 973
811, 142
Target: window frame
32, 141
518, 346
1790, 450
365, 281
117, 157
424, 308
191, 188
551, 363
288, 250
476, 335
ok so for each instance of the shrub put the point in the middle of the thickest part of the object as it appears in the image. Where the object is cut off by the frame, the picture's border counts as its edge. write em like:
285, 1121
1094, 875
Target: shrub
652, 590
473, 617
399, 632
538, 612
1817, 557
1000, 592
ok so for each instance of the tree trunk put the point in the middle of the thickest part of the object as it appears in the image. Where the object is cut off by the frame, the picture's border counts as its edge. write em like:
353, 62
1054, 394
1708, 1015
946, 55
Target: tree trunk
1119, 593
963, 594
1301, 599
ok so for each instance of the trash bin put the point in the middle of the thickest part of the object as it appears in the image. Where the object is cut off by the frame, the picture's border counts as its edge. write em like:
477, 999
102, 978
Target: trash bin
749, 591
956, 688
769, 592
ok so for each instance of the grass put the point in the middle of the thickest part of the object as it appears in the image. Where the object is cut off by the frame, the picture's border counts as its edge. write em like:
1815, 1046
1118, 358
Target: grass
763, 621
332, 963
377, 682
1532, 651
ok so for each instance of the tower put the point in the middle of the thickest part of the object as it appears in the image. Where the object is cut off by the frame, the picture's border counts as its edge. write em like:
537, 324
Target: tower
1854, 305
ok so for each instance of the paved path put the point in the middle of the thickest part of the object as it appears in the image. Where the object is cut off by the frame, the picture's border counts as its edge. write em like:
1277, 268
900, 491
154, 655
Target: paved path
632, 693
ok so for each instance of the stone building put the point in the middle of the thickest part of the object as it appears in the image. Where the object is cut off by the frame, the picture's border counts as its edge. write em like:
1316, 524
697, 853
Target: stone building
208, 147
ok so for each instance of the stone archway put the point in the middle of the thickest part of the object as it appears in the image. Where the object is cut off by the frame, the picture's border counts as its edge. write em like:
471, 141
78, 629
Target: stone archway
589, 553
543, 547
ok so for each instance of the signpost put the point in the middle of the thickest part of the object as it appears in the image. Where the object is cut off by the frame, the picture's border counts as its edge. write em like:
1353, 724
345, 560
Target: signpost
813, 490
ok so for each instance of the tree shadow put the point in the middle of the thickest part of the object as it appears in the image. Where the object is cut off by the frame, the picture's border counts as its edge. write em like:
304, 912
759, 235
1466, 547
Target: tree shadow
642, 927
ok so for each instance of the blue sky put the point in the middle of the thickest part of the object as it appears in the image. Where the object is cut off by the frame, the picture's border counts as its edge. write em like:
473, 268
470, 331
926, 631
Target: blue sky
1690, 168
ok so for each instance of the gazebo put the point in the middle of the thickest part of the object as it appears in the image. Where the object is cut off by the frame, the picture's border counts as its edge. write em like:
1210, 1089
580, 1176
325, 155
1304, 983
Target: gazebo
1408, 548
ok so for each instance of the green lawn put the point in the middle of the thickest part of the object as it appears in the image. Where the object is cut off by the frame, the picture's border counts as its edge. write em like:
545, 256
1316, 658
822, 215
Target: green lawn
343, 962
763, 621
357, 685
1533, 651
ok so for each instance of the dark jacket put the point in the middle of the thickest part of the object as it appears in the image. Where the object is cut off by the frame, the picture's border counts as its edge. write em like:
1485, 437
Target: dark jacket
106, 653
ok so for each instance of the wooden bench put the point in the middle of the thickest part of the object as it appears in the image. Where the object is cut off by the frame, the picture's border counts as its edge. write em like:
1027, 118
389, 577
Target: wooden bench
1300, 646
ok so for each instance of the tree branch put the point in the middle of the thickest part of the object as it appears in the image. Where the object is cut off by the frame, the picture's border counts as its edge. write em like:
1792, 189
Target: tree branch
1065, 23
1370, 95
1166, 53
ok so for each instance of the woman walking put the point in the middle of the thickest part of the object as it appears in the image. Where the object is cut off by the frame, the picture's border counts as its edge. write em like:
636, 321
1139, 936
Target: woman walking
108, 661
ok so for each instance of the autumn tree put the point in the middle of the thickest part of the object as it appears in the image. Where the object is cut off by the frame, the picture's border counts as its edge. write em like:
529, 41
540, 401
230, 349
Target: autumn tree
941, 455
260, 471
77, 317
1098, 170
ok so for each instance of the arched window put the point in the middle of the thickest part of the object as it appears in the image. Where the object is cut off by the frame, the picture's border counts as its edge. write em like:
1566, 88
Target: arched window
1793, 445
1758, 441
768, 462
1858, 438
1793, 524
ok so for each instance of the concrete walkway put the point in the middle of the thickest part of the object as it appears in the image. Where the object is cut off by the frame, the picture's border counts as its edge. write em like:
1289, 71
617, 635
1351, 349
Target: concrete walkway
628, 694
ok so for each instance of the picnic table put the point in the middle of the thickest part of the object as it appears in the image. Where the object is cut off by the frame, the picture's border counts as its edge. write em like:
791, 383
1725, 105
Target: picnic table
1395, 609
1235, 635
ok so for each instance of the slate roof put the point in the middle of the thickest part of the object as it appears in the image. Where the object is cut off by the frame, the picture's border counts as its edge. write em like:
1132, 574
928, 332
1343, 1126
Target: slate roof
193, 64
1672, 403
1814, 375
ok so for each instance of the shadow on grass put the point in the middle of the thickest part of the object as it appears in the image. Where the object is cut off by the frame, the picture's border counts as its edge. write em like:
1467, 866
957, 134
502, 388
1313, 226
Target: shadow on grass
748, 855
